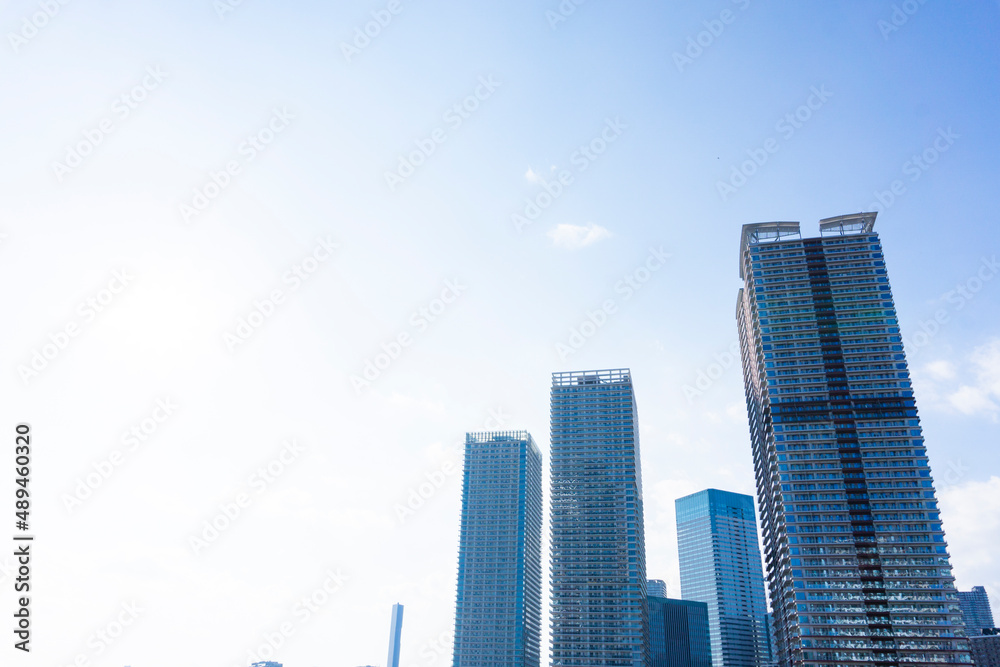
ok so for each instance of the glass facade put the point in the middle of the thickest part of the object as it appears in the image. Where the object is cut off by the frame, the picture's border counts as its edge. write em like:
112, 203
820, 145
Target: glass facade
678, 633
599, 616
976, 610
856, 559
498, 613
720, 566
395, 635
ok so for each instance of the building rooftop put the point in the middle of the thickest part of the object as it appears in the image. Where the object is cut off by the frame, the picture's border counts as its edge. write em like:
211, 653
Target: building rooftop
765, 232
771, 232
855, 223
608, 376
497, 436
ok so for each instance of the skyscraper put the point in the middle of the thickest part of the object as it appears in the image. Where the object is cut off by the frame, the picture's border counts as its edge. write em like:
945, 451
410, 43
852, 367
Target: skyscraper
498, 614
656, 588
599, 615
857, 563
720, 566
678, 633
976, 610
395, 634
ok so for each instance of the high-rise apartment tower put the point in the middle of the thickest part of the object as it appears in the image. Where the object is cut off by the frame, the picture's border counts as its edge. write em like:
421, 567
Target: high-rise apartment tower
856, 559
599, 616
976, 610
498, 611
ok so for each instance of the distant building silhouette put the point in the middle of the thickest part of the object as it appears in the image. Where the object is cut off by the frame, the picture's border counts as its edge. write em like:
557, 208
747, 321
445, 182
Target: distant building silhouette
656, 588
395, 632
976, 610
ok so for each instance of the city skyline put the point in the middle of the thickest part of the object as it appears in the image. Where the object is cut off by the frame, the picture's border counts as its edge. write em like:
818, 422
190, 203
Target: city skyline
266, 264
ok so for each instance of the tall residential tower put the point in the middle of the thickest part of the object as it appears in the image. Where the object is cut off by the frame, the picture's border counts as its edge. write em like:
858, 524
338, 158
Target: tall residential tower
599, 616
498, 612
976, 610
720, 566
856, 559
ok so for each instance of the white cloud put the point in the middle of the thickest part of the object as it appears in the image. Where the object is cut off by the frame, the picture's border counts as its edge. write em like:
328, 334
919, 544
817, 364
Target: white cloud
970, 388
737, 412
987, 358
576, 236
534, 176
941, 370
971, 400
971, 516
982, 396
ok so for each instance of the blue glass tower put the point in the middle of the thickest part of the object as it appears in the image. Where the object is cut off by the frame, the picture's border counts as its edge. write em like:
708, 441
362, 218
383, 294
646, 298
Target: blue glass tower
678, 633
498, 614
858, 567
599, 616
395, 635
720, 566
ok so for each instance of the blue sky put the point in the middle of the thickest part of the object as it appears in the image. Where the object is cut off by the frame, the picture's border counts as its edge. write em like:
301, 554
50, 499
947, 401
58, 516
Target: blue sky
609, 71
